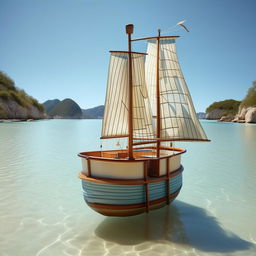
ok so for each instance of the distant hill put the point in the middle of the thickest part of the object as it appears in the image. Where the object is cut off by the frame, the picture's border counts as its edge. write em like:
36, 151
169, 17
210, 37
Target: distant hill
93, 113
201, 115
16, 103
50, 104
54, 109
65, 109
98, 113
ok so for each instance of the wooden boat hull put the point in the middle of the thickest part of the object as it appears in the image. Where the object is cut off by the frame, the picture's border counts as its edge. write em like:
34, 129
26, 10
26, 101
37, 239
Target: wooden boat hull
109, 191
116, 209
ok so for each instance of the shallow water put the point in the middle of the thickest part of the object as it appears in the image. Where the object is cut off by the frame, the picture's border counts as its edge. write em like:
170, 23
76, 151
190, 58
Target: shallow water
42, 210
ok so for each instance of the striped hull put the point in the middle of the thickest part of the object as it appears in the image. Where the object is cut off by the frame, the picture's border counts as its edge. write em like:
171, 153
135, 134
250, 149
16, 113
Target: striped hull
127, 199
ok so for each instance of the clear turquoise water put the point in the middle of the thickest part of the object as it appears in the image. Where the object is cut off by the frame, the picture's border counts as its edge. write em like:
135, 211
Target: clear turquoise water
42, 210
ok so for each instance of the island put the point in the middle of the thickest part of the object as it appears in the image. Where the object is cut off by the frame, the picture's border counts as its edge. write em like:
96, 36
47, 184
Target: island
235, 111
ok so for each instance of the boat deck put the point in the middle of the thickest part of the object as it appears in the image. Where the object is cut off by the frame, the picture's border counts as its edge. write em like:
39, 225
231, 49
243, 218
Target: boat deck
138, 154
116, 163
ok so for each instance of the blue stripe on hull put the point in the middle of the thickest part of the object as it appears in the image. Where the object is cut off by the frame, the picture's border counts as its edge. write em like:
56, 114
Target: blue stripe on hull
127, 194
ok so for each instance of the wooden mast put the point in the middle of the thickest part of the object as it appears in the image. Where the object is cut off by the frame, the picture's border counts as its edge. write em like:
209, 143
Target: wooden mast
129, 31
158, 110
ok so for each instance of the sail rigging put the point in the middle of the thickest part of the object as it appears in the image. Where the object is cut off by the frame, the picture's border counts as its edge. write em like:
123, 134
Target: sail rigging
115, 121
148, 177
178, 120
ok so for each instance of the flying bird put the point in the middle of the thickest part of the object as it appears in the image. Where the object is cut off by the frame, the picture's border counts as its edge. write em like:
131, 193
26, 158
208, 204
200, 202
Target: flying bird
181, 23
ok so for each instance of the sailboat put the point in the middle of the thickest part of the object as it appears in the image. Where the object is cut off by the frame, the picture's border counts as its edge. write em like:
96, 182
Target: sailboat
147, 102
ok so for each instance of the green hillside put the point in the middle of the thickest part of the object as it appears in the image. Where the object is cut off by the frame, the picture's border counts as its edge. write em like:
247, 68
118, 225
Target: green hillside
50, 104
8, 91
66, 109
229, 106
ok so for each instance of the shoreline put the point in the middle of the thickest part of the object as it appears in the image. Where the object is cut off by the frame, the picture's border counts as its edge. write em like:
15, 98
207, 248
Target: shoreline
227, 121
18, 120
32, 120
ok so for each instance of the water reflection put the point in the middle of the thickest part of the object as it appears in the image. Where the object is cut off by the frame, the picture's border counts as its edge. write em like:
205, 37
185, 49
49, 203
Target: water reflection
248, 141
180, 223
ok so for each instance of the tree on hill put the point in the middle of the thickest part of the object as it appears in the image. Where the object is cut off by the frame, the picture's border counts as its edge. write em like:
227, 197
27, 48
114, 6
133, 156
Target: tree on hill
66, 109
8, 92
250, 98
6, 83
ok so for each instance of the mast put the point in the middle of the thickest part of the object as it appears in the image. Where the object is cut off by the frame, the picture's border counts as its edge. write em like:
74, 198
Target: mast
158, 110
129, 31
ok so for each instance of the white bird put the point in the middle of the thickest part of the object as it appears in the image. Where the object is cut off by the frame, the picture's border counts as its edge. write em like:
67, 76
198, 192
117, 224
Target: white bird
181, 23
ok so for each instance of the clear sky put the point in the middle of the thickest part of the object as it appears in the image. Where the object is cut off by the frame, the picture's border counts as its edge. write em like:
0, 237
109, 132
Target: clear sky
59, 48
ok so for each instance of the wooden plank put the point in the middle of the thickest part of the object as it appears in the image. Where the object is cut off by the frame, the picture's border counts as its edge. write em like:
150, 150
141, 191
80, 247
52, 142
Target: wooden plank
158, 110
152, 167
146, 186
155, 37
167, 181
128, 182
184, 139
96, 155
89, 167
142, 53
129, 31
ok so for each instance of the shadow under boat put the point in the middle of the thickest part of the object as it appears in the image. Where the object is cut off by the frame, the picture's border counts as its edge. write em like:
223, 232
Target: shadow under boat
180, 223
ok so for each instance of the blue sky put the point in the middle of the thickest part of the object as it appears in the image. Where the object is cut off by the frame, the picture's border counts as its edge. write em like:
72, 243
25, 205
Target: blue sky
59, 48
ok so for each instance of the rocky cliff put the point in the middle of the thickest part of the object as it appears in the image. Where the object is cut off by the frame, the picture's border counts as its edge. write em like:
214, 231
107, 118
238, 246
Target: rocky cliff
215, 114
246, 115
10, 109
16, 103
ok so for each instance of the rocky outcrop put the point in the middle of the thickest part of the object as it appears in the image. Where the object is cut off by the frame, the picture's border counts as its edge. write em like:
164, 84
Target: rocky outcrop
215, 114
15, 103
240, 115
222, 108
246, 115
250, 116
226, 118
10, 109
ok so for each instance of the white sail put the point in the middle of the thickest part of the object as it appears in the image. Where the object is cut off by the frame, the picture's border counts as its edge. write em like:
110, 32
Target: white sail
115, 122
178, 117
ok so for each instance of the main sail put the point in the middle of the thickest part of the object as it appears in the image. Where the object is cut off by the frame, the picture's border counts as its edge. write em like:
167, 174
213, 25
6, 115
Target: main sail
178, 120
115, 121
